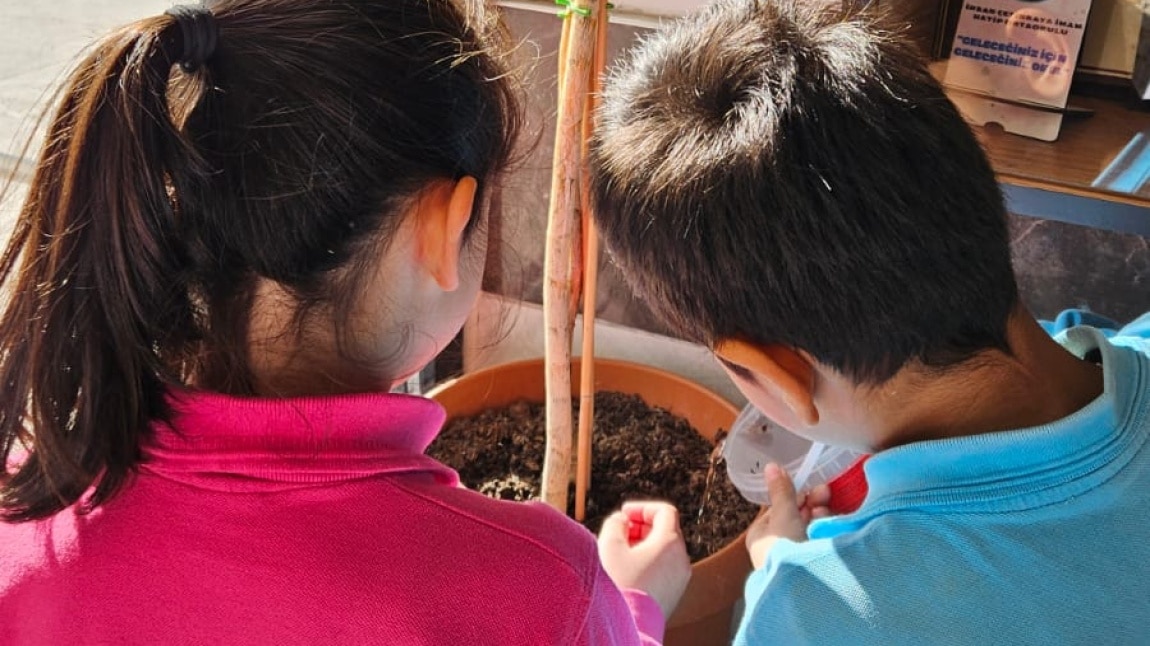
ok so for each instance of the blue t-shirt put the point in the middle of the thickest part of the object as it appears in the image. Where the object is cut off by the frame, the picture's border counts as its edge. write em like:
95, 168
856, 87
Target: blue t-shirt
1032, 536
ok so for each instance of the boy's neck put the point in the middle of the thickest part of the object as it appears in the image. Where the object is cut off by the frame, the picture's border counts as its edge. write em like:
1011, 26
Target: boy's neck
1041, 383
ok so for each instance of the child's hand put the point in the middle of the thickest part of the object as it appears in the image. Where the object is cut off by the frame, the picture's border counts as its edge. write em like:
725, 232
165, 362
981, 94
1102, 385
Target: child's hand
642, 548
788, 515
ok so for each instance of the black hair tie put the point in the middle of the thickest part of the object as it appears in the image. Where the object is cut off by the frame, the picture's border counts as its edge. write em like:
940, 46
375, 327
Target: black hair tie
199, 33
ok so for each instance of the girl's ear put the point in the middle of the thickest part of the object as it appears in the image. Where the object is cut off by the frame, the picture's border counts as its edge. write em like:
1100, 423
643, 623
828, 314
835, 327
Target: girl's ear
443, 210
783, 371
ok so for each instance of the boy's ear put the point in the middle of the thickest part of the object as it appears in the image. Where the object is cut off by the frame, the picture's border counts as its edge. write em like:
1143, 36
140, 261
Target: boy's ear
785, 372
443, 210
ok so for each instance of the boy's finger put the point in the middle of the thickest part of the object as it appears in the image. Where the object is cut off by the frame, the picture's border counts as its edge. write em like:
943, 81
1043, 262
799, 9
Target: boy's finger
819, 496
780, 488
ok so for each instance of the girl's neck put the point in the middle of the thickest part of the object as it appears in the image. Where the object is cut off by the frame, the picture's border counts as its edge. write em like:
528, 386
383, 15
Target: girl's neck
290, 360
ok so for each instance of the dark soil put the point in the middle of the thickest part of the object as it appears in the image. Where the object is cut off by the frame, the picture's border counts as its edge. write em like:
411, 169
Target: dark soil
639, 452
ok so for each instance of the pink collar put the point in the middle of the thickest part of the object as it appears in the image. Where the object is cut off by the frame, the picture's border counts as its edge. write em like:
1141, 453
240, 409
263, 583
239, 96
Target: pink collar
223, 442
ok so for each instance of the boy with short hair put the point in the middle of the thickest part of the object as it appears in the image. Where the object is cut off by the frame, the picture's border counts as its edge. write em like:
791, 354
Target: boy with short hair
785, 182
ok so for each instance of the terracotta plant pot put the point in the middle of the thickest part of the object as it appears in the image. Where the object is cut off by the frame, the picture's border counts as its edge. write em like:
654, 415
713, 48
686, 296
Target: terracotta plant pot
704, 615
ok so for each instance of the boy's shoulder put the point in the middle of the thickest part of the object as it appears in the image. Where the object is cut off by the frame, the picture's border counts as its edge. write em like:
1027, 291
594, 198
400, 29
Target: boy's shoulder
1135, 334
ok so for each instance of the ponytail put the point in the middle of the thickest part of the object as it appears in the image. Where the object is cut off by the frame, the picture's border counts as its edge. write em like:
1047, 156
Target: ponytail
98, 319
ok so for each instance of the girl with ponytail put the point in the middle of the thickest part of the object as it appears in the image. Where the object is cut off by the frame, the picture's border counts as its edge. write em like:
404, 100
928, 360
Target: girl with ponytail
247, 223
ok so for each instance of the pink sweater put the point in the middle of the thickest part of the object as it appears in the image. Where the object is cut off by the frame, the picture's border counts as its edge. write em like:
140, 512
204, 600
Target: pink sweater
309, 521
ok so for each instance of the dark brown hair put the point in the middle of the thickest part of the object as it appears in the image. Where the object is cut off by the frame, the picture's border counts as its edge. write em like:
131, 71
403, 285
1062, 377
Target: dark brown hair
161, 197
788, 172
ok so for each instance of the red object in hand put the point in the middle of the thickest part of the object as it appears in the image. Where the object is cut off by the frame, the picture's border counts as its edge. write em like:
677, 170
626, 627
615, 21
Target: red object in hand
634, 533
637, 527
849, 488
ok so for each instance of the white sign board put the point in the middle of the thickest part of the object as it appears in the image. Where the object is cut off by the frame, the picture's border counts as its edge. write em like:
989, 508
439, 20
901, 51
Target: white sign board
1013, 61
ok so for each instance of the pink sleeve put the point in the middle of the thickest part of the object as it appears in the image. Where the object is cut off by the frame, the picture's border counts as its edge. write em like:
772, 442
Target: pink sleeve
617, 618
648, 616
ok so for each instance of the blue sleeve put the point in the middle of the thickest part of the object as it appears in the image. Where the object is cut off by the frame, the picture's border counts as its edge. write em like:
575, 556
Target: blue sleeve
1073, 317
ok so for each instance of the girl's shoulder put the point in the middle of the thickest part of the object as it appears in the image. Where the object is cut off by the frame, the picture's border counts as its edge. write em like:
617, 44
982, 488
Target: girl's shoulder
531, 528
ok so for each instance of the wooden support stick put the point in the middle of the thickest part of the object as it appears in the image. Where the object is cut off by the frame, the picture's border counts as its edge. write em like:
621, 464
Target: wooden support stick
562, 231
590, 276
